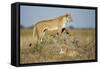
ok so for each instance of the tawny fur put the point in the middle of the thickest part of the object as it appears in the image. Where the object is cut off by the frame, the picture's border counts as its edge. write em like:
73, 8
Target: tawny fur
53, 24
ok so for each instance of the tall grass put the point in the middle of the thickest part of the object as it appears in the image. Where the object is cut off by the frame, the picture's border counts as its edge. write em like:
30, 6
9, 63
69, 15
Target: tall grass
79, 46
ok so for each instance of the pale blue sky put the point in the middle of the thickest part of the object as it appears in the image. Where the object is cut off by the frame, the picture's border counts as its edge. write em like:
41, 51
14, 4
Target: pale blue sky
82, 18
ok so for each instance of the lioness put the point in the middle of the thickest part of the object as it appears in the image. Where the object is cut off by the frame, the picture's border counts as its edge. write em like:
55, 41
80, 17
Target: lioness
54, 24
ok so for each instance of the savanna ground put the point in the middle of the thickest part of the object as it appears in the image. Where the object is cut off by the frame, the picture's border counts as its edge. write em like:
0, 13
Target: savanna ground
79, 46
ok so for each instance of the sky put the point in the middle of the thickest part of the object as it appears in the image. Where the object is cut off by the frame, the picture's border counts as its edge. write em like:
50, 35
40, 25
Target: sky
82, 18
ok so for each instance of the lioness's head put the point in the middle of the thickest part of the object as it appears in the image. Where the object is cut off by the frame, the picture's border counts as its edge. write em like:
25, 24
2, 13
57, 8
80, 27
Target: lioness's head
67, 18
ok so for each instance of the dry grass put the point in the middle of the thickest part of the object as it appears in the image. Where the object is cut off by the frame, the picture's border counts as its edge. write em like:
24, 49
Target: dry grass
79, 46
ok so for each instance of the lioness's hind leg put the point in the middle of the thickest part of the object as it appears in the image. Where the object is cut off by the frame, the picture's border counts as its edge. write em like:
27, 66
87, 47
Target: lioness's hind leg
42, 35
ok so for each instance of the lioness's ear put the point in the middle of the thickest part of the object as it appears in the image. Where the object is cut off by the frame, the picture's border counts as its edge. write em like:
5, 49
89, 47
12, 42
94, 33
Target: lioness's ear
66, 14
